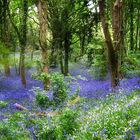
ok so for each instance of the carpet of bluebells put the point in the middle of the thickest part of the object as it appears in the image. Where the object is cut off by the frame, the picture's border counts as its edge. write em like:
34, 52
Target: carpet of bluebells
12, 91
93, 91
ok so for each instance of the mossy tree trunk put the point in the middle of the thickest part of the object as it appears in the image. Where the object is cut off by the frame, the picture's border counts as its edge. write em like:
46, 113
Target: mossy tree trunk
42, 16
23, 41
4, 35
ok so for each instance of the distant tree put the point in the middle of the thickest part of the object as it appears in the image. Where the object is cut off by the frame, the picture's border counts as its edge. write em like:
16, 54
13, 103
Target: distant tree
68, 20
21, 34
4, 35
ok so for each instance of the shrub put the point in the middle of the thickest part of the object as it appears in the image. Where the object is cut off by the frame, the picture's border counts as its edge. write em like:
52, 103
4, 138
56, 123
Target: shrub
3, 104
14, 129
41, 98
59, 88
68, 122
62, 126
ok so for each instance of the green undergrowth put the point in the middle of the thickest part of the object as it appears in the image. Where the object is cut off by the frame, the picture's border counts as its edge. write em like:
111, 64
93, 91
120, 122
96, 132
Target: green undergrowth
3, 104
116, 117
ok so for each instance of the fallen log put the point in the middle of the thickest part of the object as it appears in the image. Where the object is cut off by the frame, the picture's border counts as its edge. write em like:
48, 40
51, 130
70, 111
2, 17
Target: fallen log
20, 107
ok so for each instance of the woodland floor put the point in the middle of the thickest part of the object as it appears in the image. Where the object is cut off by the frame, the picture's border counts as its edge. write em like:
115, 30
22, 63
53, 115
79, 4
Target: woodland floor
12, 91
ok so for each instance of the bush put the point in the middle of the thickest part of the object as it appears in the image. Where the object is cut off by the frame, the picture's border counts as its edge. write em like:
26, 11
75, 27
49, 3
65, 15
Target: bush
60, 127
59, 88
14, 129
3, 104
41, 98
68, 122
57, 85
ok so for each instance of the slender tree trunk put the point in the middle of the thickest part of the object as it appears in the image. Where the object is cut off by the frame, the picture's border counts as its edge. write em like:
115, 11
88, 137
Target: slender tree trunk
66, 51
131, 25
137, 30
82, 43
15, 62
7, 70
139, 40
53, 57
23, 41
22, 67
4, 34
6, 65
61, 61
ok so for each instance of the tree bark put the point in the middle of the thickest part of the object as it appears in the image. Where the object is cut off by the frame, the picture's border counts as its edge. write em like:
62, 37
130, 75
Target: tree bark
137, 30
6, 66
113, 47
22, 67
4, 34
131, 5
42, 15
23, 41
66, 51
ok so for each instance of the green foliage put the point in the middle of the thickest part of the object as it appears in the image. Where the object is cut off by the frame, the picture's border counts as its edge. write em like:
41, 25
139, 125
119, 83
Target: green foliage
4, 49
14, 129
67, 124
99, 69
59, 88
113, 118
4, 54
41, 76
60, 127
3, 104
41, 98
30, 63
116, 117
131, 65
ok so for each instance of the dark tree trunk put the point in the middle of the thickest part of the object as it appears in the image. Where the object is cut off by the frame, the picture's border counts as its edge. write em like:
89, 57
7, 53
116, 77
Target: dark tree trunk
66, 52
4, 34
22, 67
53, 57
131, 25
113, 47
6, 65
82, 43
7, 69
23, 41
61, 62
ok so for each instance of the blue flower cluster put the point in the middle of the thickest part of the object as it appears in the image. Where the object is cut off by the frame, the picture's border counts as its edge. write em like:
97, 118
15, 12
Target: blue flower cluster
11, 89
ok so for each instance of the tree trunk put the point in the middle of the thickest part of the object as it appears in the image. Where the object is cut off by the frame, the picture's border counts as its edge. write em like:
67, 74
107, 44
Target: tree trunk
131, 25
42, 11
22, 67
113, 47
66, 52
4, 34
7, 69
61, 61
137, 31
6, 65
53, 57
23, 41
